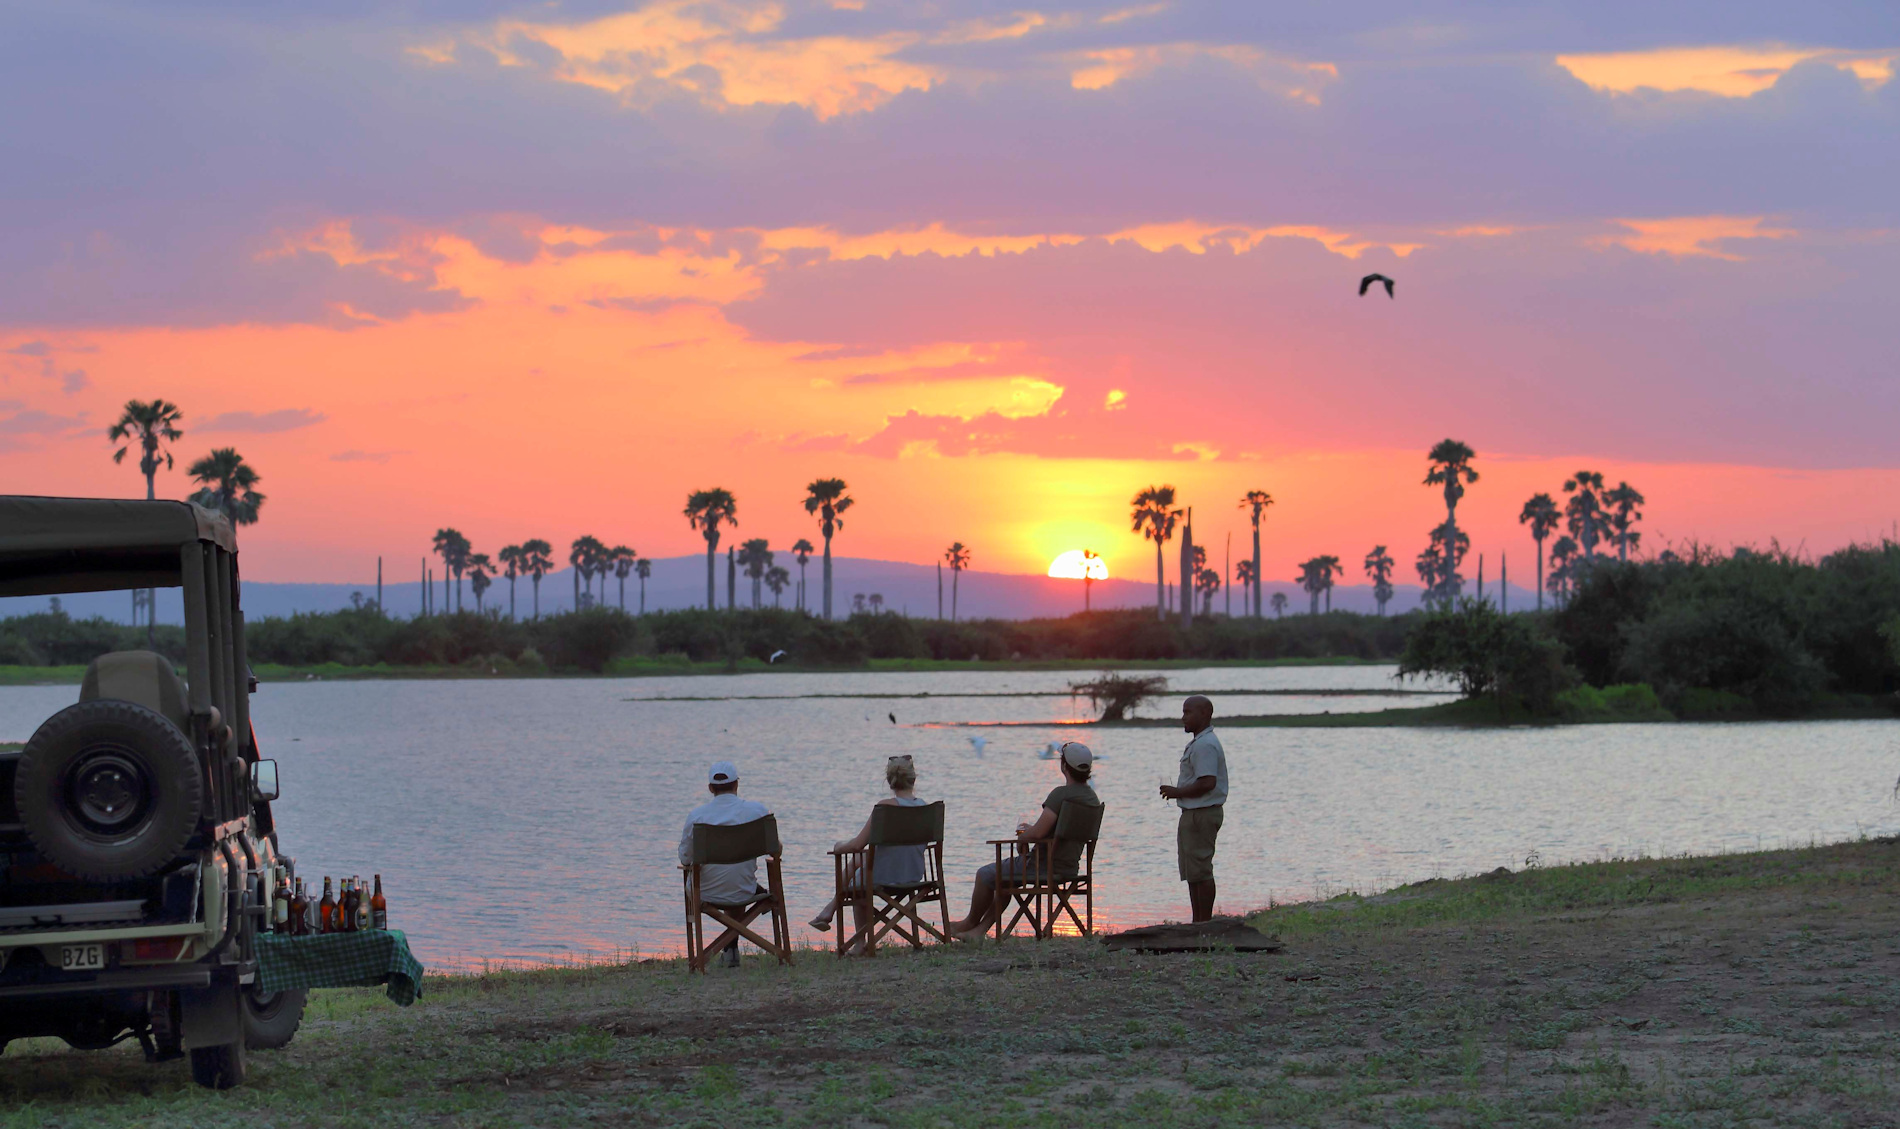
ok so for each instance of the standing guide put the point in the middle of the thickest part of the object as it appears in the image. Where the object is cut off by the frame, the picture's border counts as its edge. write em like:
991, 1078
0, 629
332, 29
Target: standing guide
1201, 793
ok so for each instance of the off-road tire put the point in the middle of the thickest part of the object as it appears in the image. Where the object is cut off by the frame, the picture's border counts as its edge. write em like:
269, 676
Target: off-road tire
108, 789
270, 1022
219, 1068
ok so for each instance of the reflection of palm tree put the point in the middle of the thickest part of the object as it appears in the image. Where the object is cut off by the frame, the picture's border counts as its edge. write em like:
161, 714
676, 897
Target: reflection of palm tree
1279, 604
229, 485
705, 510
622, 558
1622, 503
957, 556
537, 560
510, 557
1379, 566
454, 549
776, 578
1154, 518
802, 549
755, 558
826, 498
480, 572
1540, 513
644, 568
1257, 501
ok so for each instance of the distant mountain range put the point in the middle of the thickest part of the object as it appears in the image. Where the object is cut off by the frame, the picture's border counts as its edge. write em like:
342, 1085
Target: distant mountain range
680, 582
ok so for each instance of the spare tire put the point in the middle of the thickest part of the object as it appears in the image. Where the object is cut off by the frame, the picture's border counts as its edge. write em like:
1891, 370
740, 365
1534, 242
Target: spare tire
108, 789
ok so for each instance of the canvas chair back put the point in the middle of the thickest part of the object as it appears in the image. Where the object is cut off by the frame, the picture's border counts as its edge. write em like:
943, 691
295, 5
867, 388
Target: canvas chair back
1079, 822
893, 825
741, 842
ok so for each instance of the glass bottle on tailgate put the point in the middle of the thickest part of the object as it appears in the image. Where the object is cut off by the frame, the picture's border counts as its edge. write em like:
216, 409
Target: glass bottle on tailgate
378, 907
280, 902
362, 904
326, 909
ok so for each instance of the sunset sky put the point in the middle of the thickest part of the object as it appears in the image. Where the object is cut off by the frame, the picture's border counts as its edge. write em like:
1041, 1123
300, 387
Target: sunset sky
541, 269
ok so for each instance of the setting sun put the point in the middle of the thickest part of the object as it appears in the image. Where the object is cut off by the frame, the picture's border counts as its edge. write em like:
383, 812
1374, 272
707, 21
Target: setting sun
1077, 564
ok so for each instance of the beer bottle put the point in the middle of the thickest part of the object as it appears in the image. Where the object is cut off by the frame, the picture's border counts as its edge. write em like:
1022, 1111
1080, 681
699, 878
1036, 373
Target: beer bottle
299, 907
362, 903
378, 907
326, 909
346, 909
280, 904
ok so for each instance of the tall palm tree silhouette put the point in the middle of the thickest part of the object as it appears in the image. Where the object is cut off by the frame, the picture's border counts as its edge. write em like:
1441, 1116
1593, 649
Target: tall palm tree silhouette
510, 557
1257, 501
1329, 567
957, 556
1379, 566
537, 560
228, 485
581, 556
802, 549
151, 425
1621, 503
1279, 604
776, 578
826, 497
1089, 556
1207, 582
755, 557
622, 558
480, 572
1583, 511
454, 549
1541, 514
1451, 470
705, 511
1154, 518
643, 568
1430, 565
1564, 560
1247, 578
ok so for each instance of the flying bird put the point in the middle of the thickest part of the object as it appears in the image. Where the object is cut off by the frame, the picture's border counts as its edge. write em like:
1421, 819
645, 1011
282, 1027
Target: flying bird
893, 718
1365, 284
977, 743
776, 656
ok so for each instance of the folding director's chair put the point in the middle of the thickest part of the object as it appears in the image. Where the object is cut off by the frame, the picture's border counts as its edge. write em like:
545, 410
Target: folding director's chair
888, 909
738, 843
1041, 896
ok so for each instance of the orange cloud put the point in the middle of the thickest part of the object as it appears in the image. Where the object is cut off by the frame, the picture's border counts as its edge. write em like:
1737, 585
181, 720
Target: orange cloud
1730, 71
1692, 235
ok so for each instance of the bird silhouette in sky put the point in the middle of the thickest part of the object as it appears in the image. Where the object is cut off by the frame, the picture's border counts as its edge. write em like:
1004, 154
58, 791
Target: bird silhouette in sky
893, 718
1365, 284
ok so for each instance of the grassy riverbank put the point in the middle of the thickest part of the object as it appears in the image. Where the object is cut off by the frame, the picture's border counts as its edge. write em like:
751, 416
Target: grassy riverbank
1750, 988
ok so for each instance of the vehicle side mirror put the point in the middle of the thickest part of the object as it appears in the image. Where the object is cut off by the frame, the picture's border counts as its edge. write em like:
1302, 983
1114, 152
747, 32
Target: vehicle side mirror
264, 787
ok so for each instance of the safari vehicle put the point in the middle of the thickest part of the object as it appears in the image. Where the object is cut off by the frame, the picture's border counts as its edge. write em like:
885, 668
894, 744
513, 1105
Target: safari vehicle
135, 826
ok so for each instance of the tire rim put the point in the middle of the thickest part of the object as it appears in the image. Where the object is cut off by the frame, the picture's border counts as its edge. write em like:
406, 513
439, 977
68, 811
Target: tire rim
108, 791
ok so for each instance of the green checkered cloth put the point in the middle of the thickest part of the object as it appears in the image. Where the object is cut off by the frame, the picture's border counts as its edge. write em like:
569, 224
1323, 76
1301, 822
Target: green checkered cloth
340, 960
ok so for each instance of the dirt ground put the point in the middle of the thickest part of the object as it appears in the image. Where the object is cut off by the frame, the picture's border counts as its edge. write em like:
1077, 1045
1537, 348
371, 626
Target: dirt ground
1749, 989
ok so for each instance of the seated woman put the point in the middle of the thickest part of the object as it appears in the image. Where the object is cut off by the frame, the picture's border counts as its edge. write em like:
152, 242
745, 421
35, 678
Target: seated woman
985, 906
896, 866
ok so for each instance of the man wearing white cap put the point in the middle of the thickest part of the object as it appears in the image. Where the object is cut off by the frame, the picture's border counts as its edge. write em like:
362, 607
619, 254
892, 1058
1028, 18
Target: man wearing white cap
1077, 763
732, 883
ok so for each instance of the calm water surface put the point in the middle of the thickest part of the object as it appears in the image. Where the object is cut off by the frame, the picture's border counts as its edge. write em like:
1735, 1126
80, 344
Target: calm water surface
538, 820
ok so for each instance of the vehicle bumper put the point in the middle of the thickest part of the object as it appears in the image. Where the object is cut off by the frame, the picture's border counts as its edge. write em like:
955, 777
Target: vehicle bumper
112, 980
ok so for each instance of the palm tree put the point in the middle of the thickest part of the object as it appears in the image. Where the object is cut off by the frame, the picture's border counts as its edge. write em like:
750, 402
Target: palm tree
1207, 582
958, 558
1451, 469
1379, 566
537, 560
510, 557
857, 603
480, 572
228, 485
643, 568
454, 549
1563, 566
1279, 604
1248, 579
776, 578
1622, 503
705, 511
1584, 510
802, 549
152, 424
1430, 565
1154, 518
877, 603
1329, 567
1257, 501
755, 557
622, 558
1541, 514
826, 498
1451, 544
580, 555
1088, 578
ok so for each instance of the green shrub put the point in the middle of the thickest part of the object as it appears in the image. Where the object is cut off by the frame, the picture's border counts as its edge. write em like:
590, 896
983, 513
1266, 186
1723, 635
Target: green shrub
1489, 654
1623, 702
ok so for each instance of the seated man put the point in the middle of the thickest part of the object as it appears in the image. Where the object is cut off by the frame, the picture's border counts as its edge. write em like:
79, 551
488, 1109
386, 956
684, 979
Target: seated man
985, 906
726, 885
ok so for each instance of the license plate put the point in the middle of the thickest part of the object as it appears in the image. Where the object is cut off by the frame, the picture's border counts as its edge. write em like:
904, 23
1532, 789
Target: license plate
82, 958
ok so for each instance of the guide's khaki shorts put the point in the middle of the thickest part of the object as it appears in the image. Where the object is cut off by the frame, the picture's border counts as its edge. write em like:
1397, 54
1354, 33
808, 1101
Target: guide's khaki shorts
1194, 841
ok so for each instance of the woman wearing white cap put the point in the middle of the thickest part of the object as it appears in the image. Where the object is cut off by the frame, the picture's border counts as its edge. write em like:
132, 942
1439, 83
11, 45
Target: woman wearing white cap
1077, 762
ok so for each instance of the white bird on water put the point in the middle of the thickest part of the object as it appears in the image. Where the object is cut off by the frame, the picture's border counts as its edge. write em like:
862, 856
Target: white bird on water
1051, 751
977, 743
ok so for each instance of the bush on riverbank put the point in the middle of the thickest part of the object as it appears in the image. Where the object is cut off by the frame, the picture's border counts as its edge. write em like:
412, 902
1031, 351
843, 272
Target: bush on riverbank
593, 639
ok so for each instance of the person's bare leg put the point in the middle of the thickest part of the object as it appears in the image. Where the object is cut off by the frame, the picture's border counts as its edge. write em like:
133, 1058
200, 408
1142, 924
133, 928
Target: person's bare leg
978, 917
1201, 898
821, 920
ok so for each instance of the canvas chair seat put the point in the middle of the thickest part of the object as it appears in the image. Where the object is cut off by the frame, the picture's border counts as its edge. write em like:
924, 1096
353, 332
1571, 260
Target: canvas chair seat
889, 908
1042, 895
744, 842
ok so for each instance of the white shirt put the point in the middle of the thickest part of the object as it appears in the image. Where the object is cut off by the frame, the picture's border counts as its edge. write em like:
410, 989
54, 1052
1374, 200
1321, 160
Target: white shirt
728, 883
1204, 757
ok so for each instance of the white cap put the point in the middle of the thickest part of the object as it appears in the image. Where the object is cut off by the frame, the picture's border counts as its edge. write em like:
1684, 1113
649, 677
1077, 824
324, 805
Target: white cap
1076, 755
722, 772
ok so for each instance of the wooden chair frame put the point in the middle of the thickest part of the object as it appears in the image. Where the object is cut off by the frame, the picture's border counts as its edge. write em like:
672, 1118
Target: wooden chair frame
893, 909
1040, 896
731, 844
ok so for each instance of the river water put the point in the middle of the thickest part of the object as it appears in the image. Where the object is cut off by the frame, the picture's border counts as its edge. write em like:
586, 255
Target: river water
538, 820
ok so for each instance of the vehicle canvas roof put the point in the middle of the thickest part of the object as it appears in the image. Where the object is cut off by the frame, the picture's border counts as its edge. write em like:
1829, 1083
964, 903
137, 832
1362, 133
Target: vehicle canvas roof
51, 545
